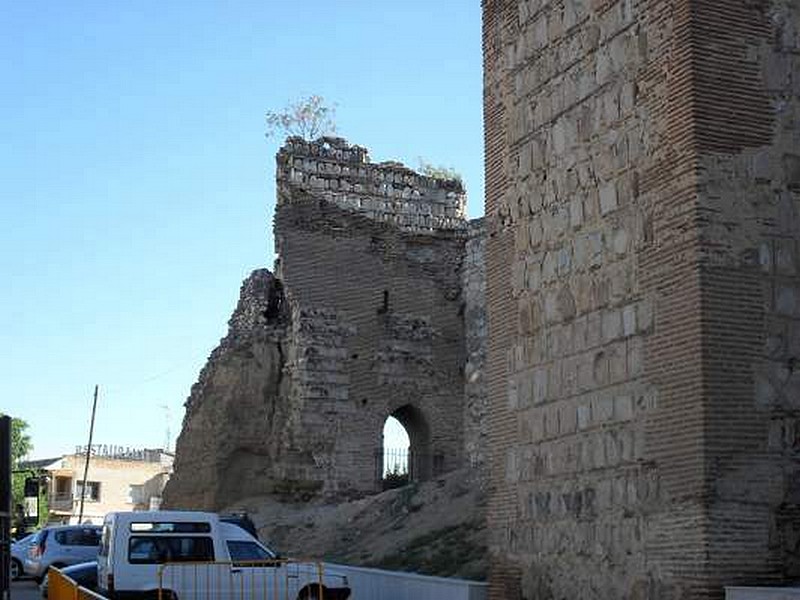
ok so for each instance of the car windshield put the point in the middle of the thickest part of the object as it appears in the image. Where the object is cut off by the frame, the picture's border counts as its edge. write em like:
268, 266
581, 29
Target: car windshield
245, 550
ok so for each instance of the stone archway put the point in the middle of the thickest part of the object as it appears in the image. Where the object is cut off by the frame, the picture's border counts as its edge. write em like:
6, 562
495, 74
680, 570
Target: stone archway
420, 459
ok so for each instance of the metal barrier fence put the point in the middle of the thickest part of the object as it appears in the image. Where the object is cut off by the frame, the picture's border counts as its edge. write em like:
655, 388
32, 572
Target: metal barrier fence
249, 580
395, 461
61, 587
283, 580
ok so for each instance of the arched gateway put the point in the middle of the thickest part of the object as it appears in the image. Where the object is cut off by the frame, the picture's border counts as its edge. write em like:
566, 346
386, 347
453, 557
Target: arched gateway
408, 456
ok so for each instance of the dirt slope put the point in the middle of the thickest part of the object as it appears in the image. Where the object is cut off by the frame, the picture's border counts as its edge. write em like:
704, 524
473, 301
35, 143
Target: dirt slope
435, 528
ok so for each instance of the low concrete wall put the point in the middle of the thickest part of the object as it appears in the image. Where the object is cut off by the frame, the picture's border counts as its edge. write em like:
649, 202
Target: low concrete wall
377, 584
762, 593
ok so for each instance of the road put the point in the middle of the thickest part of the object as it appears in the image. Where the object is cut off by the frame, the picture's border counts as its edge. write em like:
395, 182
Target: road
25, 589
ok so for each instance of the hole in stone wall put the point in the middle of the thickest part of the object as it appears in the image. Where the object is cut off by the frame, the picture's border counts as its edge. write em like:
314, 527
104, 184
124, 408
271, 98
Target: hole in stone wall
275, 301
396, 446
385, 306
406, 445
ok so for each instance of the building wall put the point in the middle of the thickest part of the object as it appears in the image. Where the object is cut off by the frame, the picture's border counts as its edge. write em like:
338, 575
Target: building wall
641, 188
124, 485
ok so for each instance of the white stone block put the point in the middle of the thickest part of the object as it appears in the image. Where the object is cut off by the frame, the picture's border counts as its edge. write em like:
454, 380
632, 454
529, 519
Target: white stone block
602, 409
786, 300
612, 325
620, 242
576, 212
513, 394
608, 198
623, 408
540, 385
644, 316
629, 320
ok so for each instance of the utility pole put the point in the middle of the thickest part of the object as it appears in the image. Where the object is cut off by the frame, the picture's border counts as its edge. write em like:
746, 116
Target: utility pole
88, 454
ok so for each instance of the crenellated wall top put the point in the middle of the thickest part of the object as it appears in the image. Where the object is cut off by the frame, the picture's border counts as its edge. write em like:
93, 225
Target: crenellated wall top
341, 173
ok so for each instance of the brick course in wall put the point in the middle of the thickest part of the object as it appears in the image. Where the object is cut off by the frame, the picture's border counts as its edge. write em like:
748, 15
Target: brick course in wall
642, 214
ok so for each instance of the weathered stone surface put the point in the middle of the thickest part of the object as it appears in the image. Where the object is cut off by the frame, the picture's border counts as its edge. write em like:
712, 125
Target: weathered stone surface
389, 271
668, 132
234, 426
376, 309
473, 282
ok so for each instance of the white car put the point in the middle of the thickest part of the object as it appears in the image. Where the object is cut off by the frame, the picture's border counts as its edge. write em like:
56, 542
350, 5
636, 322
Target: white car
60, 547
190, 555
19, 551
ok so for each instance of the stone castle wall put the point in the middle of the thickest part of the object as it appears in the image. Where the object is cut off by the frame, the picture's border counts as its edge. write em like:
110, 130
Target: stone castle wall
473, 285
234, 441
643, 232
384, 259
375, 309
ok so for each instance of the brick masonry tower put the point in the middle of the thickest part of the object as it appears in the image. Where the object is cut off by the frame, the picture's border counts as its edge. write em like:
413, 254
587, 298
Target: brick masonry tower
643, 189
370, 256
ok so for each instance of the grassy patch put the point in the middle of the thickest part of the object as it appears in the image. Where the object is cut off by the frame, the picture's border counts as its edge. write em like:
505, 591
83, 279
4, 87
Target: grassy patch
442, 552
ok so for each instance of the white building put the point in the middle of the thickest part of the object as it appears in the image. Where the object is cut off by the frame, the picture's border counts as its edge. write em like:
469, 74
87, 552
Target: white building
116, 480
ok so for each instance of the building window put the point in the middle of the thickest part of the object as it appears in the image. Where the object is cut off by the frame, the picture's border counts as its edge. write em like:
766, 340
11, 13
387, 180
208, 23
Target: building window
92, 491
63, 488
136, 494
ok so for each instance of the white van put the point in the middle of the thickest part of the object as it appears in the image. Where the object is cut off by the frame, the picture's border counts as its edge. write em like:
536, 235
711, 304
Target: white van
194, 555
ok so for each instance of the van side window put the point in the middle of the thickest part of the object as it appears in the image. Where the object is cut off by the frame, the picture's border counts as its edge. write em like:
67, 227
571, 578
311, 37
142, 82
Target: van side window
153, 549
170, 527
78, 537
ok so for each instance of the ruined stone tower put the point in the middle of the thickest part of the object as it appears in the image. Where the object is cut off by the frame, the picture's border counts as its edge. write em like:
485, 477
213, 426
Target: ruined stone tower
381, 248
375, 309
643, 187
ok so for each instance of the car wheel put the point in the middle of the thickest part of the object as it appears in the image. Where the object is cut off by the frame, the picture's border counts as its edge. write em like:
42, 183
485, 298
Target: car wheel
16, 569
312, 593
165, 595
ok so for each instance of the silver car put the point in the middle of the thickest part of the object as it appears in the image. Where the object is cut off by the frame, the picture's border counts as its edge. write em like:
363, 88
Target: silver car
19, 552
60, 547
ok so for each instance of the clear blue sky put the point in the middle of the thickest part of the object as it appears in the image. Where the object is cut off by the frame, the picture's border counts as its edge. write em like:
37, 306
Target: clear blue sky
138, 189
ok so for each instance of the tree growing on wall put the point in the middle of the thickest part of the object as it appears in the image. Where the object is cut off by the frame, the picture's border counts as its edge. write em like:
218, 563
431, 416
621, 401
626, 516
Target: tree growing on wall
438, 171
308, 118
